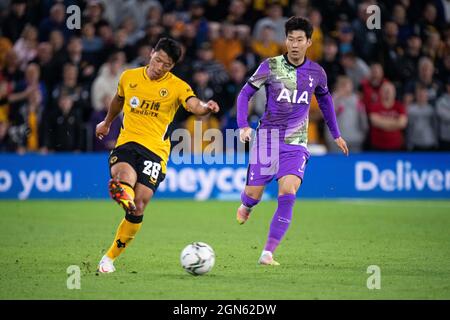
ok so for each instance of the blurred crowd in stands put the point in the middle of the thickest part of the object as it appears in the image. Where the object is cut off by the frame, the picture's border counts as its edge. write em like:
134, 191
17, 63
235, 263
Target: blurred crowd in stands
391, 86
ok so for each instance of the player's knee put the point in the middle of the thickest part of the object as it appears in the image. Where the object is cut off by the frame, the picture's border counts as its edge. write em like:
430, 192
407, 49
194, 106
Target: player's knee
254, 194
123, 176
140, 206
287, 190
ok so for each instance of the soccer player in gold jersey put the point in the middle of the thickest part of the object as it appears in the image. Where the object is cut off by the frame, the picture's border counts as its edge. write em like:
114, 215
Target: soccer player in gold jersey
149, 97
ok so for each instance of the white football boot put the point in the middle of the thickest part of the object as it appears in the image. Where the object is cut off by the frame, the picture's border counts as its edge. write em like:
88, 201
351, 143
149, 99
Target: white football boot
106, 265
267, 259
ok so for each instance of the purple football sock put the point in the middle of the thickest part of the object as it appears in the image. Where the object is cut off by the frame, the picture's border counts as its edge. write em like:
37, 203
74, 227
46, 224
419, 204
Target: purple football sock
280, 221
247, 201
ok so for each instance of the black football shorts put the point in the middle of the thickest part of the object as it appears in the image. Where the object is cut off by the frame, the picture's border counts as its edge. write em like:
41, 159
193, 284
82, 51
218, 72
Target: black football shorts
146, 164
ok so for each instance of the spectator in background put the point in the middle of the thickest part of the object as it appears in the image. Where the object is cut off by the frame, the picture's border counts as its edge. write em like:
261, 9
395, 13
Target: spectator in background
94, 12
266, 47
355, 68
335, 11
64, 127
274, 15
433, 47
56, 21
426, 79
387, 121
216, 10
56, 41
237, 13
200, 23
179, 8
106, 34
25, 124
47, 65
11, 71
366, 40
188, 38
249, 58
428, 21
91, 43
315, 51
410, 59
112, 12
205, 60
330, 61
300, 8
5, 46
391, 52
346, 39
121, 42
108, 142
204, 91
226, 48
443, 113
75, 56
78, 93
404, 28
351, 116
202, 85
26, 87
26, 46
138, 9
421, 130
107, 79
14, 23
370, 87
143, 55
133, 33
229, 94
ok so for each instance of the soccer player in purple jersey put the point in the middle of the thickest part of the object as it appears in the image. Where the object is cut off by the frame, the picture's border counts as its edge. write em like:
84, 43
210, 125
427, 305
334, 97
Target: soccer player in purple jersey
289, 80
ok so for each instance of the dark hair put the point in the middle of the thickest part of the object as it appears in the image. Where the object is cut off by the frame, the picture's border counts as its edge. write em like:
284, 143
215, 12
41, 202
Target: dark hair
171, 47
299, 23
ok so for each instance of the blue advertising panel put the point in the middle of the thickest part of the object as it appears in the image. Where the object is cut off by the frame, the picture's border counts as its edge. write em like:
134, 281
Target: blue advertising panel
366, 175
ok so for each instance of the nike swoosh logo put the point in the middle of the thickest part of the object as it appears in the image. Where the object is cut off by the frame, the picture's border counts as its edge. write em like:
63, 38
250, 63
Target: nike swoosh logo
133, 85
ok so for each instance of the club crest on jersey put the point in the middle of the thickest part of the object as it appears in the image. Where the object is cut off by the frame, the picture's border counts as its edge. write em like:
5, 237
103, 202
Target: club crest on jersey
163, 92
134, 102
285, 96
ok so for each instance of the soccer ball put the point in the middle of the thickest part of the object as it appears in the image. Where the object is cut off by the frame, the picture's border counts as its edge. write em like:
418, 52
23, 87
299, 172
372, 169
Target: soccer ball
197, 258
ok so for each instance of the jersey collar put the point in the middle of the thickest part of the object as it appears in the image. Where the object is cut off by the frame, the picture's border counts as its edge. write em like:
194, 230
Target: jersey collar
287, 60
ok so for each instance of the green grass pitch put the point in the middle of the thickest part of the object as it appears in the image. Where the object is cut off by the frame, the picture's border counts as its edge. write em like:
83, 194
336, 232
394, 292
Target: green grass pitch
325, 254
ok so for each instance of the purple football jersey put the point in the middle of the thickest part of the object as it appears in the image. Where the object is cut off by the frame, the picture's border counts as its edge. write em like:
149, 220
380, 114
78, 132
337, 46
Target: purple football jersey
289, 91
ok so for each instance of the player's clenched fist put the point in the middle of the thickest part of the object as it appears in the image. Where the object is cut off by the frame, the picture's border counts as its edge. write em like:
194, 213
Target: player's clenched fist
213, 106
245, 134
101, 130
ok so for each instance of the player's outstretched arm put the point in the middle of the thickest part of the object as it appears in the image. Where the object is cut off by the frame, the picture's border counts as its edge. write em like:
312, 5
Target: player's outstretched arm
115, 108
327, 107
200, 108
245, 131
